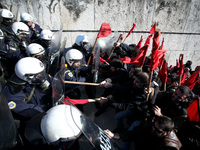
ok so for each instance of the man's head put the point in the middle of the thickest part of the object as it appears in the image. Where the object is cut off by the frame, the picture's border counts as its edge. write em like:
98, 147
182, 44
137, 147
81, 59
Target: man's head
162, 126
21, 30
141, 80
27, 19
7, 17
182, 95
74, 57
116, 65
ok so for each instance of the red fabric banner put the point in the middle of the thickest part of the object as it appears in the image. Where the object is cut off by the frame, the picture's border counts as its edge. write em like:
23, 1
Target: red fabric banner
139, 45
148, 40
192, 80
193, 111
153, 29
163, 73
161, 47
139, 59
75, 101
105, 30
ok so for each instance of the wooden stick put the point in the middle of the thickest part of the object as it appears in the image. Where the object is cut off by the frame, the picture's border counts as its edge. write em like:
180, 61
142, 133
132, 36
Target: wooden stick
82, 83
115, 46
92, 50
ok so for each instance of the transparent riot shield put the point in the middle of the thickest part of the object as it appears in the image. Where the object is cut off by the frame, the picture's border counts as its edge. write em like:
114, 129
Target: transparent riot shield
96, 63
9, 137
54, 53
95, 135
58, 85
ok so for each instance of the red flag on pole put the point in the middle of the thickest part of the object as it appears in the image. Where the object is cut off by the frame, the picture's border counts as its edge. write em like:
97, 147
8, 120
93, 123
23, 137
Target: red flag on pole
153, 29
105, 30
163, 73
190, 82
161, 47
139, 59
139, 45
193, 111
131, 30
148, 40
157, 58
75, 101
181, 70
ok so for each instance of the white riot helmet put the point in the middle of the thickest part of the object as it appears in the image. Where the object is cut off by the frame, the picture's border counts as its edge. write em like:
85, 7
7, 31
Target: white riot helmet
25, 17
32, 70
34, 50
6, 14
101, 43
46, 35
81, 39
20, 28
61, 123
73, 55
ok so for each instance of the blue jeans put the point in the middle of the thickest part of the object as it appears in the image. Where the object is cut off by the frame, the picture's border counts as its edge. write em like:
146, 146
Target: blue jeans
126, 145
120, 116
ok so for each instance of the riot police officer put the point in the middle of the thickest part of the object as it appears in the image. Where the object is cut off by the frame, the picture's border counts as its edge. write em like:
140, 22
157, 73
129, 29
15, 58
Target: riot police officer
7, 21
34, 28
15, 48
29, 90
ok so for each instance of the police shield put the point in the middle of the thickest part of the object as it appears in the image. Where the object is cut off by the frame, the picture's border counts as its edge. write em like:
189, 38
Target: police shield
94, 134
54, 53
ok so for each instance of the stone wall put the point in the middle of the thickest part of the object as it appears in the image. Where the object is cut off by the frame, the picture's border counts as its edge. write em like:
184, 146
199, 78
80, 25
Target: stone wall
178, 19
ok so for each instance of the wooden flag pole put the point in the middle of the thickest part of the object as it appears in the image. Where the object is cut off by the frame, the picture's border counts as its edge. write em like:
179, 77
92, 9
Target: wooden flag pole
180, 76
115, 46
92, 50
82, 83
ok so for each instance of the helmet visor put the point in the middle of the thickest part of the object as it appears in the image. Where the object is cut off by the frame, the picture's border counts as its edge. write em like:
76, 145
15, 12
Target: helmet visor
36, 79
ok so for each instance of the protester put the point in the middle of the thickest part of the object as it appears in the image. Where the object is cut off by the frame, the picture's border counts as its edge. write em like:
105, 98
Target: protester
157, 135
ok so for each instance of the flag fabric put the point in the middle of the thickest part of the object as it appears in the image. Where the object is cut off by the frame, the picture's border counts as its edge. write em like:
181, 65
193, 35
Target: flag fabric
139, 59
161, 47
75, 101
102, 60
183, 78
163, 73
134, 25
153, 29
156, 59
194, 110
182, 67
170, 67
148, 40
192, 80
105, 30
139, 45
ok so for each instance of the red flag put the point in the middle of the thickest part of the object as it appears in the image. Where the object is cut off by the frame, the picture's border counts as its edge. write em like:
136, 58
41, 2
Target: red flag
161, 47
170, 67
184, 76
156, 58
156, 54
131, 30
139, 59
102, 60
181, 70
148, 40
192, 80
75, 101
163, 73
193, 111
153, 29
139, 45
105, 30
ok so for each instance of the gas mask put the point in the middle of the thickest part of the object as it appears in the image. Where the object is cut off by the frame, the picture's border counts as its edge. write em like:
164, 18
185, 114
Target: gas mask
38, 79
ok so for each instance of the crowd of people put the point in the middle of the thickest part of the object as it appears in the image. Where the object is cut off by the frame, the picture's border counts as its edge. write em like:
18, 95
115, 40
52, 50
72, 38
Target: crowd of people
156, 117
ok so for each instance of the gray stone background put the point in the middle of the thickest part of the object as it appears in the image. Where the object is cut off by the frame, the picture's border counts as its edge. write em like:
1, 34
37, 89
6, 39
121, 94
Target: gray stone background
178, 19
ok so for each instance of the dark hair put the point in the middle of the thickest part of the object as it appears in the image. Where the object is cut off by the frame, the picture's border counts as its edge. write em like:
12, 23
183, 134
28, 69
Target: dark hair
165, 123
173, 77
186, 90
117, 63
143, 77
